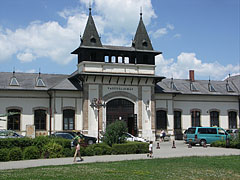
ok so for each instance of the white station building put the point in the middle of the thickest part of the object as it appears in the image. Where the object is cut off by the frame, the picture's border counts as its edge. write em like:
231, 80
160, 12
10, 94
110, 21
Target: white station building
116, 83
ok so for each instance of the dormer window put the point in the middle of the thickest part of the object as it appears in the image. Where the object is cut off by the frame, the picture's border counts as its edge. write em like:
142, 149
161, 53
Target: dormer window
173, 86
228, 87
39, 82
14, 81
211, 88
144, 43
192, 87
93, 40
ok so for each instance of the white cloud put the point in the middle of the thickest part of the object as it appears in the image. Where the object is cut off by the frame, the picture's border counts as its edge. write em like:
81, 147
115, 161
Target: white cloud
123, 15
31, 71
47, 40
162, 31
177, 36
53, 41
26, 57
188, 61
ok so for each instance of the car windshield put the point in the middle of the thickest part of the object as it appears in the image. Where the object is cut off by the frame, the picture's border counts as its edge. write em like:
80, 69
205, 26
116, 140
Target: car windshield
191, 130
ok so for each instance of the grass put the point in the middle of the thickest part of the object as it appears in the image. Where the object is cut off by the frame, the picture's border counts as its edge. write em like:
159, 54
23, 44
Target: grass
221, 167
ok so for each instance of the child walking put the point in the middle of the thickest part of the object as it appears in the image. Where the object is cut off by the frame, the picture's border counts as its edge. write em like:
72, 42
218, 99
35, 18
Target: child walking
150, 147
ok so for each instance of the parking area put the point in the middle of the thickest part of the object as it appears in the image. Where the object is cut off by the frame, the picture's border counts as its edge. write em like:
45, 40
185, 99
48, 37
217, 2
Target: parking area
165, 151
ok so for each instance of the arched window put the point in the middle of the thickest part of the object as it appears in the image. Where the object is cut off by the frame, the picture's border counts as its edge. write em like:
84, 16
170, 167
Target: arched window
232, 119
195, 116
14, 119
113, 59
161, 119
120, 59
126, 60
68, 119
40, 119
106, 58
214, 118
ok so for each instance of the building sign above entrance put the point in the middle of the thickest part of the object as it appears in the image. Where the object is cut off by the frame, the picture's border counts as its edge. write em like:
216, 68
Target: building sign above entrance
120, 88
110, 89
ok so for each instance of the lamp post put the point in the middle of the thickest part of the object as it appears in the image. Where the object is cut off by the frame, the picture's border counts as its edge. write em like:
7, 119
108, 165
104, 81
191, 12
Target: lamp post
97, 103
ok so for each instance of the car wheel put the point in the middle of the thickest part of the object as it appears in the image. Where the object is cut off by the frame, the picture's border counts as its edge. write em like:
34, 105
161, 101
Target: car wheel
202, 142
90, 142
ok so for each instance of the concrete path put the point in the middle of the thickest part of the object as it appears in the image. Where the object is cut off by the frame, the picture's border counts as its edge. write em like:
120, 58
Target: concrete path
165, 151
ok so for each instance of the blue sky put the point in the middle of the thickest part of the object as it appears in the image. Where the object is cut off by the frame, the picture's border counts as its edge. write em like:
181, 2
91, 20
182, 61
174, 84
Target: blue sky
202, 35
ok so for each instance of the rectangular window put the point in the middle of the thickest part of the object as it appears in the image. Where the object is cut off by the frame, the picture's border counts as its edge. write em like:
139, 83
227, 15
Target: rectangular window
14, 119
40, 119
161, 119
177, 120
68, 119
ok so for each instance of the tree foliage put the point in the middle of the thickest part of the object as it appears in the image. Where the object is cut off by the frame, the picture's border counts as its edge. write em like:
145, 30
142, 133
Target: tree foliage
115, 133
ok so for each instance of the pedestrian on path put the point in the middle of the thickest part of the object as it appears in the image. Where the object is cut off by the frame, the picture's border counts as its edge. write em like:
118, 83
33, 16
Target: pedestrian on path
150, 148
76, 143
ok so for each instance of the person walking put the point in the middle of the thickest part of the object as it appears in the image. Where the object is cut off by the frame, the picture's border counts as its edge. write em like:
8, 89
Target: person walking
150, 148
76, 143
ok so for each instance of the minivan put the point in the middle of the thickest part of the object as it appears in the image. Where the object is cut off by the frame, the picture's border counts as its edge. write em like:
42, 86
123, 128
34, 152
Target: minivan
206, 135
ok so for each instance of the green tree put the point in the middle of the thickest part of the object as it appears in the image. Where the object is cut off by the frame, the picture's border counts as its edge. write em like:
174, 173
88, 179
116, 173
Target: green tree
115, 133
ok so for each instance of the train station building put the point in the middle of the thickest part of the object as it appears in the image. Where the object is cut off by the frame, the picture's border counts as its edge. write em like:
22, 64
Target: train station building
116, 83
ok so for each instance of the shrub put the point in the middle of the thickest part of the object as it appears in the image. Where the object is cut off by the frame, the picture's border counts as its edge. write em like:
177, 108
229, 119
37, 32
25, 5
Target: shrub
130, 148
40, 142
89, 151
15, 154
65, 143
52, 150
98, 151
31, 152
106, 149
68, 152
4, 154
114, 133
10, 143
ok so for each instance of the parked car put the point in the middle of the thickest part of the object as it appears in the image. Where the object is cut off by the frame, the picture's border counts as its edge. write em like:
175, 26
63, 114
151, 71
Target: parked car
130, 137
233, 132
185, 135
9, 134
88, 140
205, 135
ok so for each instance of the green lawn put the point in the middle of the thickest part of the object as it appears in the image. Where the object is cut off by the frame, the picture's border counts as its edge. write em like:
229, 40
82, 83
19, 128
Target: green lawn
223, 167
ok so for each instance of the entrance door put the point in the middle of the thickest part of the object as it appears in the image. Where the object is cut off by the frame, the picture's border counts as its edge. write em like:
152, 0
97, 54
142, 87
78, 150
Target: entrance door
177, 125
122, 109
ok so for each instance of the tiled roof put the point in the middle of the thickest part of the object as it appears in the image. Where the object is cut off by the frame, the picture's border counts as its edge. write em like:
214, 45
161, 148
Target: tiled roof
27, 81
183, 86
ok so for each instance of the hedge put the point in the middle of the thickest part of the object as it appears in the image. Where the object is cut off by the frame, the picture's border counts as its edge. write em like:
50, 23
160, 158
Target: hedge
46, 147
130, 148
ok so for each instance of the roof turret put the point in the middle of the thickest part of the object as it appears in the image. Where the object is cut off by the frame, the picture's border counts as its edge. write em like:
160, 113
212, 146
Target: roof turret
141, 40
90, 35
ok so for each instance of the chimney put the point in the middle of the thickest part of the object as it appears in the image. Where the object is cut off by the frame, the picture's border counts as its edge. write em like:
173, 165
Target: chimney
191, 75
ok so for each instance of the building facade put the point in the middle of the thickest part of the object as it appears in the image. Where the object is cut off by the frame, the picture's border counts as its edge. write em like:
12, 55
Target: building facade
116, 83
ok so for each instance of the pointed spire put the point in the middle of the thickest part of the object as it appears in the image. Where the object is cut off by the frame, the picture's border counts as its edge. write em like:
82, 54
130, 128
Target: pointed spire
90, 36
141, 40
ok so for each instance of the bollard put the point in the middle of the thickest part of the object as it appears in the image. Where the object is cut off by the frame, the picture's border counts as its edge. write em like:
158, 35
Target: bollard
205, 144
173, 145
190, 144
158, 146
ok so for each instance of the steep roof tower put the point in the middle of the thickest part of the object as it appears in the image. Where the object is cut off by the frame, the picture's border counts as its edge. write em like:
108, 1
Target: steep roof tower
141, 40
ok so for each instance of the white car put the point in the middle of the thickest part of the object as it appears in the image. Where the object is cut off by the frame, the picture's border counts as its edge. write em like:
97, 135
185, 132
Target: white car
130, 137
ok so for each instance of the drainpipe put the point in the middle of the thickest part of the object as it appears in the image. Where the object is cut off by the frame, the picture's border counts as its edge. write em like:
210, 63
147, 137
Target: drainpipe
50, 112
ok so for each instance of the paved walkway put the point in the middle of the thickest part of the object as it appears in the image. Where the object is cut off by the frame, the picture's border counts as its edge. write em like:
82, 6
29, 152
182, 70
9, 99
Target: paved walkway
165, 151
